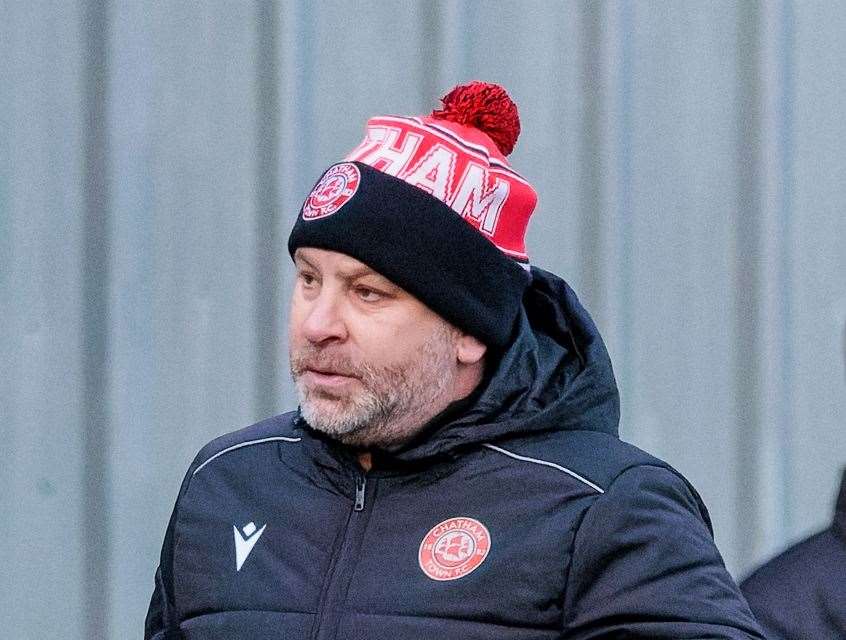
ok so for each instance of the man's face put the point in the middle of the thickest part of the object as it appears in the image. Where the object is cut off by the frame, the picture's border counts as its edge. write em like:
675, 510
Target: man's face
371, 363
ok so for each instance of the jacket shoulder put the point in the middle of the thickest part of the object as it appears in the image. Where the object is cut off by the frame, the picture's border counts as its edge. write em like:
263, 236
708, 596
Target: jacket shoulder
800, 568
600, 458
270, 429
807, 577
596, 456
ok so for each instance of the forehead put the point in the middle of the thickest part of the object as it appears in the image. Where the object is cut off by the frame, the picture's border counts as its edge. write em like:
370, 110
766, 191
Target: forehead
335, 262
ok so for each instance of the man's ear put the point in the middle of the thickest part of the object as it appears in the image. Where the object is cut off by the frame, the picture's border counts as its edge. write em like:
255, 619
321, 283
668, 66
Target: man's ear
469, 349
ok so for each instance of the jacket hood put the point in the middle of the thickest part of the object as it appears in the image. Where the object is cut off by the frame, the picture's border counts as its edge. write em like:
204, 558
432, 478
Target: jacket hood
555, 375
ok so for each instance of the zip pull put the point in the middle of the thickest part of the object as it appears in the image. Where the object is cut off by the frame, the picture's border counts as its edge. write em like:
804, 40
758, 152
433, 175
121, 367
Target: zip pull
360, 486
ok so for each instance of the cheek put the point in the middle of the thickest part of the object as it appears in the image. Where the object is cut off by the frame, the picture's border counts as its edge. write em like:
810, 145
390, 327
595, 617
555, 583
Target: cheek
386, 343
296, 314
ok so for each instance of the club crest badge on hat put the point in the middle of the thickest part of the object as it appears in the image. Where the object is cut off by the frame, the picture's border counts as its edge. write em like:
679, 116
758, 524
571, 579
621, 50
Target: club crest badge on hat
454, 548
337, 186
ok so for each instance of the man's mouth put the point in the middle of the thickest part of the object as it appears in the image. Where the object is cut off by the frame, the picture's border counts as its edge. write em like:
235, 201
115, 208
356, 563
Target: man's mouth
327, 377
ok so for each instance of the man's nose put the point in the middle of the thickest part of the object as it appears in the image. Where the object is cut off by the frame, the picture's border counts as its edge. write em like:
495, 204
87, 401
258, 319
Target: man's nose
324, 321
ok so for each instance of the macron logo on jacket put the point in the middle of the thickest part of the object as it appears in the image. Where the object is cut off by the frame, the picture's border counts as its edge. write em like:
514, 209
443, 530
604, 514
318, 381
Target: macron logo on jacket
244, 542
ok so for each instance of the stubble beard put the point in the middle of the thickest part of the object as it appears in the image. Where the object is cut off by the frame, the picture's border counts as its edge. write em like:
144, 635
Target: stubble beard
389, 404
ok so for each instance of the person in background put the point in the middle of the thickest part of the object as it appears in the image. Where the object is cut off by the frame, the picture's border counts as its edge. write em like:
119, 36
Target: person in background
801, 593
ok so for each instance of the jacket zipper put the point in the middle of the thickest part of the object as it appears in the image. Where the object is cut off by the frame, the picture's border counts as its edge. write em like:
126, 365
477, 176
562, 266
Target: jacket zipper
336, 585
360, 488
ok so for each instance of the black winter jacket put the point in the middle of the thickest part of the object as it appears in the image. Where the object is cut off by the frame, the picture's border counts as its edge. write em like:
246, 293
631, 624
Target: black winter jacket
801, 593
516, 515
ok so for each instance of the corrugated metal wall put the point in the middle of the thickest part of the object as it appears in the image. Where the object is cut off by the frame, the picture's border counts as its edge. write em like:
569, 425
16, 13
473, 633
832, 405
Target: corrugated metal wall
689, 161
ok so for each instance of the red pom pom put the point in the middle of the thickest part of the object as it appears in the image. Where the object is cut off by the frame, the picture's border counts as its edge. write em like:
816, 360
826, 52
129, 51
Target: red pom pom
486, 107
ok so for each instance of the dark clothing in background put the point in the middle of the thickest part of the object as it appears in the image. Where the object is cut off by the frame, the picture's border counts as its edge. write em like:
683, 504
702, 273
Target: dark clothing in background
801, 594
589, 537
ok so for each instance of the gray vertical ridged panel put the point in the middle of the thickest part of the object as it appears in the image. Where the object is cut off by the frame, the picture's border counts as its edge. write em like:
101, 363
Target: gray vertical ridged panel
749, 263
769, 454
817, 272
689, 166
663, 234
96, 321
184, 262
267, 320
43, 381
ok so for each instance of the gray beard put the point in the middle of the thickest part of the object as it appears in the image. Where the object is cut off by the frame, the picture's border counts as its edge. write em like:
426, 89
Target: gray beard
392, 403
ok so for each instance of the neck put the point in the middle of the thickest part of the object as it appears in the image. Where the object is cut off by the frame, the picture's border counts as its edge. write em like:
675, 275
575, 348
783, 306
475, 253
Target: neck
365, 461
467, 381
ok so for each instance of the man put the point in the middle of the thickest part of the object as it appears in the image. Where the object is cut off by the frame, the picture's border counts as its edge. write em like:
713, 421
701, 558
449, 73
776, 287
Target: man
454, 469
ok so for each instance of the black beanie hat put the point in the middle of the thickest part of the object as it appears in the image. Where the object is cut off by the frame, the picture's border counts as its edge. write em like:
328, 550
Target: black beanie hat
431, 204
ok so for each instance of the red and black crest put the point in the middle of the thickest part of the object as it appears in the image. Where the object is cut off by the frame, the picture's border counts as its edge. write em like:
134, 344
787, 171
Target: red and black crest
454, 548
337, 186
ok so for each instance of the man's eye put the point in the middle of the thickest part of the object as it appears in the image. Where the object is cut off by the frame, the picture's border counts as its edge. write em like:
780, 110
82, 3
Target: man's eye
368, 295
307, 278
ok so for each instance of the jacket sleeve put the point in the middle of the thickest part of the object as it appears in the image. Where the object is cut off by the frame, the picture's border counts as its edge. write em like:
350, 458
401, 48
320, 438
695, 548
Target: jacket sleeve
155, 625
644, 565
162, 622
